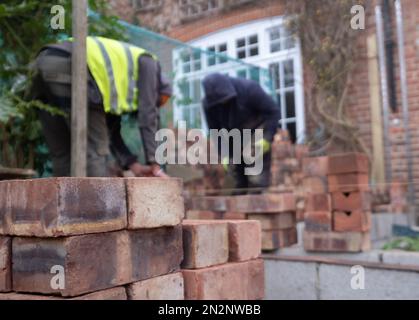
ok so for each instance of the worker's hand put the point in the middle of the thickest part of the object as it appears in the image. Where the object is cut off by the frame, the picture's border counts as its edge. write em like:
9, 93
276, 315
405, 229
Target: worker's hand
158, 171
140, 170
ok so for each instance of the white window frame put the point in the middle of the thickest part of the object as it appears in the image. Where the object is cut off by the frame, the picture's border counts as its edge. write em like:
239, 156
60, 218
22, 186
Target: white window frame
264, 59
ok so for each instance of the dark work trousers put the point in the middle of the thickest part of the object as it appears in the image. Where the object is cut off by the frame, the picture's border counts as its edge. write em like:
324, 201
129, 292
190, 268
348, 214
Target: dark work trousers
251, 184
57, 132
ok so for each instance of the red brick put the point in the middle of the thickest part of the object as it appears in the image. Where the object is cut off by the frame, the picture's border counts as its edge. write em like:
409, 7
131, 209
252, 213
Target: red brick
318, 202
315, 184
234, 216
203, 215
231, 281
263, 203
154, 202
210, 203
205, 243
5, 264
283, 220
351, 201
245, 240
336, 241
350, 182
95, 262
66, 206
114, 294
348, 163
315, 166
4, 206
25, 297
167, 287
275, 239
318, 220
351, 221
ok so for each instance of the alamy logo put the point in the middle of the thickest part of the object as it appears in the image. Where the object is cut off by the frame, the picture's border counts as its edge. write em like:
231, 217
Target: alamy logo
58, 20
358, 278
358, 19
229, 147
58, 281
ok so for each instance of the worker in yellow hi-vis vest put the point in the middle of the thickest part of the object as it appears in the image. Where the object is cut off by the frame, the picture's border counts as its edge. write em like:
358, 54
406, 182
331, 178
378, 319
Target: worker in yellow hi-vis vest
122, 79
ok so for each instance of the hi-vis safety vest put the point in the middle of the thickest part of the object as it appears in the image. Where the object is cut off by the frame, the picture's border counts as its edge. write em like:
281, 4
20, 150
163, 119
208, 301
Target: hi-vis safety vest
114, 66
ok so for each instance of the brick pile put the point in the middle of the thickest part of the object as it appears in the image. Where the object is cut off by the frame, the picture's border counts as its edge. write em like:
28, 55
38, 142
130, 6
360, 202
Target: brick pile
222, 260
286, 168
338, 204
276, 213
91, 239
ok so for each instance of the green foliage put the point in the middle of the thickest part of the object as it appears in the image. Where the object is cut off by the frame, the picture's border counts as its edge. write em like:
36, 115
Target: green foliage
403, 243
24, 30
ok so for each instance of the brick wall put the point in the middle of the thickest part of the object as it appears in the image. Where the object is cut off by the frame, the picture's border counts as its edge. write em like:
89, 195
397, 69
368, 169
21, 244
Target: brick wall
359, 96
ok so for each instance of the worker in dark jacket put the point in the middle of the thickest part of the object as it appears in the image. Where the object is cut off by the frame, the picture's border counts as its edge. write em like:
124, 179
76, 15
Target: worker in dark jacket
122, 79
232, 103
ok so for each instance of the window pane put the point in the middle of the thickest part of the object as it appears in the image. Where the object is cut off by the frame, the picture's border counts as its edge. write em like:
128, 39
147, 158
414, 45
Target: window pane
197, 91
187, 67
275, 46
241, 54
274, 69
222, 58
242, 74
222, 47
197, 65
211, 60
275, 34
253, 39
290, 104
278, 97
254, 51
241, 43
288, 43
254, 75
289, 73
197, 55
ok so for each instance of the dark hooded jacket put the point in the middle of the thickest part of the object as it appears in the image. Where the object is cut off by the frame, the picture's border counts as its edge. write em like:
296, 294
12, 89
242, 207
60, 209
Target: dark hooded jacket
234, 103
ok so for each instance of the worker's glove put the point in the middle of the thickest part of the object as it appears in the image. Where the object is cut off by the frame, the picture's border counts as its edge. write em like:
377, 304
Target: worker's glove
225, 162
264, 144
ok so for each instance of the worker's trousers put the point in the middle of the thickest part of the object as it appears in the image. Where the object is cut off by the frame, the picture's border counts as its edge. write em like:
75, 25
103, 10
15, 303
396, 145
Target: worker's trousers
57, 132
251, 184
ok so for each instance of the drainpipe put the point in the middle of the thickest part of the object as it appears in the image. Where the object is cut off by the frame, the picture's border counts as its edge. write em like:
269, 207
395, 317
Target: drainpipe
389, 47
405, 104
384, 91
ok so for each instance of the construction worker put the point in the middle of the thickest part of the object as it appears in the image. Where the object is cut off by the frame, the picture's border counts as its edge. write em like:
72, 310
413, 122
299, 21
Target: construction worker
122, 79
233, 103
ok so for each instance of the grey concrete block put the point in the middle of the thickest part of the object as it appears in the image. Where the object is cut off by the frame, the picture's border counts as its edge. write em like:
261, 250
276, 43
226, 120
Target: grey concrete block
289, 280
335, 283
381, 226
401, 258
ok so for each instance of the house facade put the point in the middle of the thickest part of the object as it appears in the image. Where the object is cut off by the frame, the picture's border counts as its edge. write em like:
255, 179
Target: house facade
253, 31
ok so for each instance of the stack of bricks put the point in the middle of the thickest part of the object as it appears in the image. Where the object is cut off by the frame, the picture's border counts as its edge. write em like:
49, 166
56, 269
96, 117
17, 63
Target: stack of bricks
222, 260
286, 168
91, 239
275, 212
338, 206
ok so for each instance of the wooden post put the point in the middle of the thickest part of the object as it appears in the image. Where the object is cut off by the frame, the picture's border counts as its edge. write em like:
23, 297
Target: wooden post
79, 91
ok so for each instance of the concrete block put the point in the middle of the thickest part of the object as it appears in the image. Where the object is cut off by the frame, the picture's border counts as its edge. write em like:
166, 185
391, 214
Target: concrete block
205, 243
167, 287
154, 202
401, 258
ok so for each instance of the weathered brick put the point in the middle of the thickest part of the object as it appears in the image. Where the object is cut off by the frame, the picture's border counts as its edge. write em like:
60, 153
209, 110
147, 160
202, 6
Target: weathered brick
66, 206
349, 182
210, 203
118, 293
154, 202
231, 281
203, 215
95, 262
245, 240
263, 203
318, 221
275, 239
167, 287
358, 220
351, 201
336, 241
234, 215
348, 163
315, 166
315, 184
205, 243
283, 220
5, 264
318, 202
4, 206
